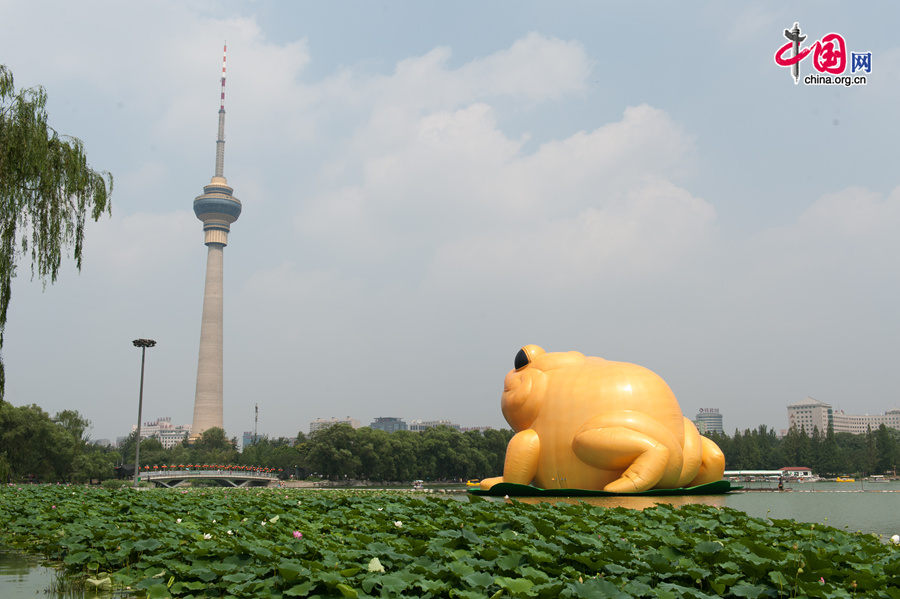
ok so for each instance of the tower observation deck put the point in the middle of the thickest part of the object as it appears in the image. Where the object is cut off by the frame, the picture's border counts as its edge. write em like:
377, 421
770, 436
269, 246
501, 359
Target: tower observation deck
218, 209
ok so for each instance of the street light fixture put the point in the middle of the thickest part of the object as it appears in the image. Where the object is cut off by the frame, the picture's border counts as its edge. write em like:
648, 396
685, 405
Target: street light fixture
143, 344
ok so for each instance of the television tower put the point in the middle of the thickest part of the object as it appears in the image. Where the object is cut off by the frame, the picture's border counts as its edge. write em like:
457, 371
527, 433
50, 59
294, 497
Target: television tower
217, 208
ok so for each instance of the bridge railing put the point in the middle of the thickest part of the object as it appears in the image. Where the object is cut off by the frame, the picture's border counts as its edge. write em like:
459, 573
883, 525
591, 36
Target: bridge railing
169, 473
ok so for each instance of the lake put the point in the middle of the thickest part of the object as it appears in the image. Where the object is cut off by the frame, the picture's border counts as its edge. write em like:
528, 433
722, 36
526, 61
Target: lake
867, 507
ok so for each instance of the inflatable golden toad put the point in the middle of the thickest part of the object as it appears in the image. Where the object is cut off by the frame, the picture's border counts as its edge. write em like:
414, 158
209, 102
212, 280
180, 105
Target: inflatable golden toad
589, 423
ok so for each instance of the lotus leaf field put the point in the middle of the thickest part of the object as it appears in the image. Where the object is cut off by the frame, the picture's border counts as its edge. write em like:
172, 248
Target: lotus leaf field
296, 543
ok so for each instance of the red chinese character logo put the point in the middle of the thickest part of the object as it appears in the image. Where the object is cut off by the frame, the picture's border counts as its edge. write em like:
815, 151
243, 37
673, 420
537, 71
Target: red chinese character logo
790, 60
829, 54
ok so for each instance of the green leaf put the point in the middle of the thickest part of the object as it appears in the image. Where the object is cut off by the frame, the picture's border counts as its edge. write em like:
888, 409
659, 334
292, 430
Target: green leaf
751, 591
346, 591
239, 577
778, 578
460, 569
77, 558
708, 547
290, 570
300, 590
158, 591
479, 580
514, 585
594, 589
204, 574
147, 545
509, 562
392, 583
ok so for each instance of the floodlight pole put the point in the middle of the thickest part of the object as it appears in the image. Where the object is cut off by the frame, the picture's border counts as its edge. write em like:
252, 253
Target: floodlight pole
143, 344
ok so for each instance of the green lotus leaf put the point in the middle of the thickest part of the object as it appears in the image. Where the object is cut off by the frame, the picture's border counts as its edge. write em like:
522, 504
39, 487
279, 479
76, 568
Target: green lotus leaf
300, 590
291, 570
460, 569
514, 585
147, 545
751, 591
158, 591
708, 547
204, 574
479, 579
100, 582
77, 558
592, 589
392, 583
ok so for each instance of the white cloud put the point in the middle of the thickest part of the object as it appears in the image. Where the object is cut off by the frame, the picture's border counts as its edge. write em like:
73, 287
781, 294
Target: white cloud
853, 213
451, 190
142, 246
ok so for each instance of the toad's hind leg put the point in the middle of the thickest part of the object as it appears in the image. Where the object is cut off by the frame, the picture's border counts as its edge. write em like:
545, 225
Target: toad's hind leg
633, 443
712, 466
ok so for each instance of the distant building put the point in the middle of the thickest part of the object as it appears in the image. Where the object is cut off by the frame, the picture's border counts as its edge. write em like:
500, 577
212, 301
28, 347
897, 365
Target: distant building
797, 472
418, 426
162, 429
709, 420
812, 413
246, 439
480, 429
320, 423
859, 424
388, 424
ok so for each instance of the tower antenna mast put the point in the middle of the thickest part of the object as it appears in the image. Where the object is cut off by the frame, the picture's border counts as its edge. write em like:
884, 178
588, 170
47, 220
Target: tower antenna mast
220, 141
255, 421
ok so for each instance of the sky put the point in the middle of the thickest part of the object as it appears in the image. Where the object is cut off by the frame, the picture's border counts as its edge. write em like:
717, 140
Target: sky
429, 186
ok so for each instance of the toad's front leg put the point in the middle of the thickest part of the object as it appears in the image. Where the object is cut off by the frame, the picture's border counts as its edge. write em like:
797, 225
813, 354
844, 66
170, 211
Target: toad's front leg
521, 462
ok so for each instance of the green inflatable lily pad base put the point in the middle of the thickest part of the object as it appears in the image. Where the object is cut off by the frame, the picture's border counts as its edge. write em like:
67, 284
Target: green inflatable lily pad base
720, 487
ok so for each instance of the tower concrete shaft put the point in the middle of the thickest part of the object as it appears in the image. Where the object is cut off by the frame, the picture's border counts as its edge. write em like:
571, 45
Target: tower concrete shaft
217, 208
208, 405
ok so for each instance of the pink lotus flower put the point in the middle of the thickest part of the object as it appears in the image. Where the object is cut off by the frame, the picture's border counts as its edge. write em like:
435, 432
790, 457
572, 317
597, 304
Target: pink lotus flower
298, 534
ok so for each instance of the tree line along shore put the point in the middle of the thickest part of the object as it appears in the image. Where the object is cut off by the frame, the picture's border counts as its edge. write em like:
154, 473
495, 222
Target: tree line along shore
35, 447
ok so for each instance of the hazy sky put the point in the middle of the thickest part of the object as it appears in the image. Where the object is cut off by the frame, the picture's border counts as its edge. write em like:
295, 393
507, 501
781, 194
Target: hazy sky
428, 186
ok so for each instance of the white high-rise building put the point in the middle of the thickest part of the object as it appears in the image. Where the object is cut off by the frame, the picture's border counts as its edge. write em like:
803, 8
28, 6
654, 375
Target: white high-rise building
162, 429
811, 413
709, 420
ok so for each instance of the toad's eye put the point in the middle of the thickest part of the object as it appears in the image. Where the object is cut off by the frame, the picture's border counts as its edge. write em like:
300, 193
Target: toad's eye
521, 360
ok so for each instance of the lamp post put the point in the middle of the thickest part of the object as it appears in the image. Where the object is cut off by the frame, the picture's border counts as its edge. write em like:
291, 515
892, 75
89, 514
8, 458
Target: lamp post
143, 344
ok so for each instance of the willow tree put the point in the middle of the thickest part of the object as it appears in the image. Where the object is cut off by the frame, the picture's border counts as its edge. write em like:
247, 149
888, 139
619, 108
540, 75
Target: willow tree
47, 190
